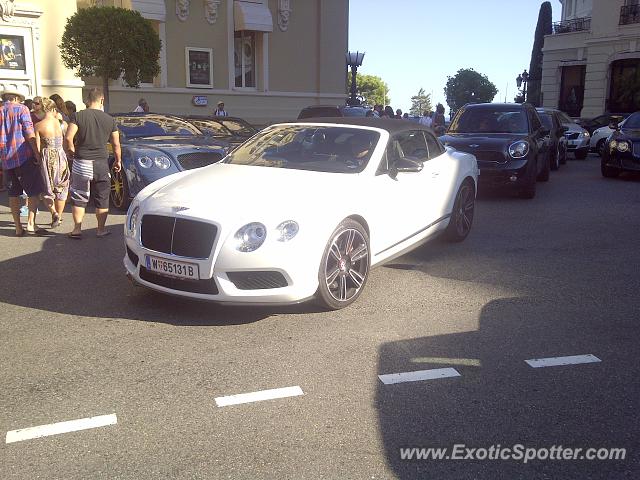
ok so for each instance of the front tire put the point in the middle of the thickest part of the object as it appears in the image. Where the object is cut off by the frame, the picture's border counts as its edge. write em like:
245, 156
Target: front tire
600, 147
554, 160
462, 215
543, 176
119, 190
344, 268
581, 154
608, 172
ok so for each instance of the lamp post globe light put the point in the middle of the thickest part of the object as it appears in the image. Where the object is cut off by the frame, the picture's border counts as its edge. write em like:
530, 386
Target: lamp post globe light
354, 60
521, 81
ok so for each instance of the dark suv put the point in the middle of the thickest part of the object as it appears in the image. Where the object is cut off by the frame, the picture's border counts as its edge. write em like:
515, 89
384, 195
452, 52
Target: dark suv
508, 141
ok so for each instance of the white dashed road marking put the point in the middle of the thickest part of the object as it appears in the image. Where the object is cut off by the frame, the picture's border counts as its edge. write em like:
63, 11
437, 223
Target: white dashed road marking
258, 396
61, 427
417, 376
557, 361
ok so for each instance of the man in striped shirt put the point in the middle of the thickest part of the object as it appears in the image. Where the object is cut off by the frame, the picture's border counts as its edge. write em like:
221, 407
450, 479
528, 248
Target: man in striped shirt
20, 158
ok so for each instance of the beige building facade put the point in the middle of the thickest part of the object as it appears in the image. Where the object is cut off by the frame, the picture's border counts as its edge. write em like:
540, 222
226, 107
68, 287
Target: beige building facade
29, 58
592, 59
266, 59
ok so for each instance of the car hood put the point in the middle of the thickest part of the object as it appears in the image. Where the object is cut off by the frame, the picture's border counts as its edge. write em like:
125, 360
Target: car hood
176, 144
480, 142
242, 193
631, 133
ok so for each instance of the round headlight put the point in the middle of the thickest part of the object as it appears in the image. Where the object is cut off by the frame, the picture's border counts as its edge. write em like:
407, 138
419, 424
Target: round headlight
250, 237
145, 162
623, 147
132, 221
519, 149
585, 134
287, 230
613, 144
162, 162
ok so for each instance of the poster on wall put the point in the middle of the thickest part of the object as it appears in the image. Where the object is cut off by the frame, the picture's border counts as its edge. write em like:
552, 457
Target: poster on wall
11, 52
199, 68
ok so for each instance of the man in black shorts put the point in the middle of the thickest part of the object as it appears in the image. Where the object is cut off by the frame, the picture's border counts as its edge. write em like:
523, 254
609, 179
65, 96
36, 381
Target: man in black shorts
19, 157
92, 130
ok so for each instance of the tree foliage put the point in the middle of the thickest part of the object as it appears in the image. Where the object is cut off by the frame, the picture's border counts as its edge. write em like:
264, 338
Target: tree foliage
110, 42
544, 26
370, 89
468, 86
420, 103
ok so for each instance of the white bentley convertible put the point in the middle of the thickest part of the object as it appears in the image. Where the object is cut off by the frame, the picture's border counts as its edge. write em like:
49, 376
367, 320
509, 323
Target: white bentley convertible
301, 210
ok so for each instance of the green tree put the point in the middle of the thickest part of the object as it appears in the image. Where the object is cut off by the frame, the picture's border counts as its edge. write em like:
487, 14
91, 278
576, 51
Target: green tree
534, 86
468, 86
371, 89
420, 103
110, 42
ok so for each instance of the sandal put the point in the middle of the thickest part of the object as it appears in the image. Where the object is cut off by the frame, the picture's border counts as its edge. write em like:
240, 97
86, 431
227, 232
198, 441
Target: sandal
55, 220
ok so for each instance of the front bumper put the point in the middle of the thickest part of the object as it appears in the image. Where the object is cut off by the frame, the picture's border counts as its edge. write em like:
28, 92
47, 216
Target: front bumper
581, 144
273, 276
623, 161
513, 173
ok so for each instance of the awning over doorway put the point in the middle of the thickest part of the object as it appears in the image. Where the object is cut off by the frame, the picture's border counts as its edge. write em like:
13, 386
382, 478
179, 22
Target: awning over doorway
252, 16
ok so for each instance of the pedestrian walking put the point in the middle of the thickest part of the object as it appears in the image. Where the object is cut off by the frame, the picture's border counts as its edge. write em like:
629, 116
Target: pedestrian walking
438, 124
399, 113
92, 130
20, 157
388, 112
143, 106
61, 107
220, 111
54, 166
37, 113
425, 119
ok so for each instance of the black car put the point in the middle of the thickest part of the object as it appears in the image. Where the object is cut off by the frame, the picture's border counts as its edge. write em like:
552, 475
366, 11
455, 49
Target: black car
154, 146
593, 124
622, 148
233, 131
556, 141
508, 141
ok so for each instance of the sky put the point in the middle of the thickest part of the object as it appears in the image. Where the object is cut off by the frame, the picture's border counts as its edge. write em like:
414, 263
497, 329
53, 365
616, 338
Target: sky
413, 44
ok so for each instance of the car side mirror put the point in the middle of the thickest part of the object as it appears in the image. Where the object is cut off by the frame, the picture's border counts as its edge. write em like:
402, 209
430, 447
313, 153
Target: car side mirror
614, 125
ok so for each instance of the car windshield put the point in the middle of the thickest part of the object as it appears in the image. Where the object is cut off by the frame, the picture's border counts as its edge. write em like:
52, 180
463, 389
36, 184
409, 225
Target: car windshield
355, 112
547, 121
564, 118
309, 147
155, 126
487, 120
633, 121
210, 127
238, 128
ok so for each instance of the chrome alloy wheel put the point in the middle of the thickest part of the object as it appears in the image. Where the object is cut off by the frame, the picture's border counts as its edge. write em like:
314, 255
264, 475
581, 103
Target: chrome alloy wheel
347, 265
463, 210
117, 188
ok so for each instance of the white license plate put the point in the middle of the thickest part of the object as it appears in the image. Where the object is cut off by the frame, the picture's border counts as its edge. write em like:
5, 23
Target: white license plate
172, 268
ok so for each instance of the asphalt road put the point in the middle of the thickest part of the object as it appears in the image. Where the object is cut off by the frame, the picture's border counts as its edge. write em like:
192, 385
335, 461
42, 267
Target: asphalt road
555, 276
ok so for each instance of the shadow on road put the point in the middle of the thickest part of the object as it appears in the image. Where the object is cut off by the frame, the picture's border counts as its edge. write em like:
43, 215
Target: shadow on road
500, 400
86, 278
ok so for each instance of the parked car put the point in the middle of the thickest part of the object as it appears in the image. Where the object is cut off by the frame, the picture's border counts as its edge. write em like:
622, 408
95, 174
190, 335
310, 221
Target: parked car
556, 141
622, 148
592, 124
599, 137
309, 208
154, 146
231, 130
507, 139
577, 137
315, 111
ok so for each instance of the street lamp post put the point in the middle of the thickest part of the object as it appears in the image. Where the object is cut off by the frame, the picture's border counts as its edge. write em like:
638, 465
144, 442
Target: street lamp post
354, 60
521, 81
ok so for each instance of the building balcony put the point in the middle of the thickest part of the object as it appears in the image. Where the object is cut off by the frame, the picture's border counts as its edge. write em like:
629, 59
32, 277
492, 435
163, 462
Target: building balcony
629, 14
582, 24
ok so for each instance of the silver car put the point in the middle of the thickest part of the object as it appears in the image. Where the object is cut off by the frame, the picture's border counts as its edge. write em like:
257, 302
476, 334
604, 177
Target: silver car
577, 137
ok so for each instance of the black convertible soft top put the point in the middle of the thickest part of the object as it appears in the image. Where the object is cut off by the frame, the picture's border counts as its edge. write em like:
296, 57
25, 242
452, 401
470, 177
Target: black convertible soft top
391, 125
